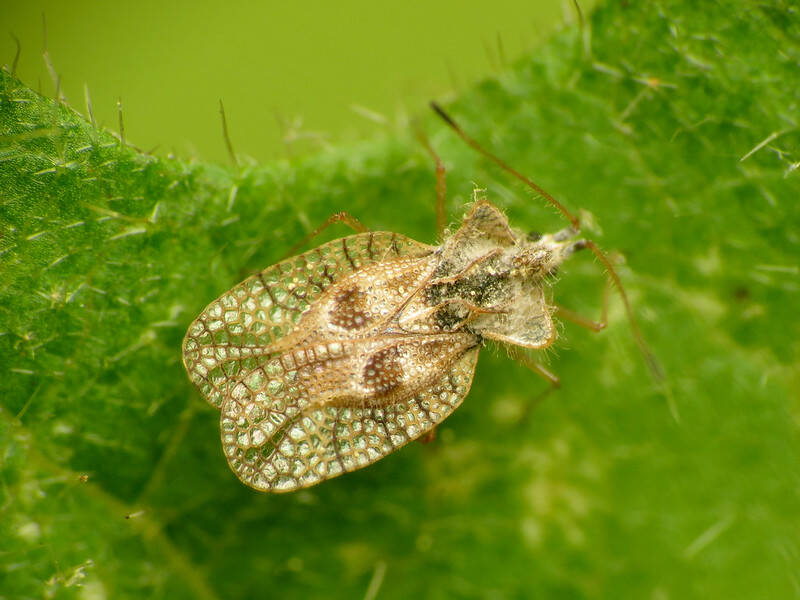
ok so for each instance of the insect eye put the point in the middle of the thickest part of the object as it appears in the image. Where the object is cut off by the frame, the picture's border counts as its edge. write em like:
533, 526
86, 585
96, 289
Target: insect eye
534, 236
579, 245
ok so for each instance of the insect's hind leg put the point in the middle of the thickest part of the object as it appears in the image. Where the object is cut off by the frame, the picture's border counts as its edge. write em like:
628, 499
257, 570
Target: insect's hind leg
339, 217
526, 361
428, 437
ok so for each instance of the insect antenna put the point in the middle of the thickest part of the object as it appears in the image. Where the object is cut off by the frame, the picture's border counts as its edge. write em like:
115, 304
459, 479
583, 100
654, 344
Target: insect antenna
649, 357
576, 225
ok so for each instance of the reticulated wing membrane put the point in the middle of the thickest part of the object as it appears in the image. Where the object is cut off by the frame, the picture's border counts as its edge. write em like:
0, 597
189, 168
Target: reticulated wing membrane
234, 333
279, 445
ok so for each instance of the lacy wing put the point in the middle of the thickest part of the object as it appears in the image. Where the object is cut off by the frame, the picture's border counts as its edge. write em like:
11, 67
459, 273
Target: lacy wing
234, 333
278, 446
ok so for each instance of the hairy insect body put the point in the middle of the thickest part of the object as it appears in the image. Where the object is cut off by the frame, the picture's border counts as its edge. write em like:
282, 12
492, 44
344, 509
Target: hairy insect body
328, 361
493, 280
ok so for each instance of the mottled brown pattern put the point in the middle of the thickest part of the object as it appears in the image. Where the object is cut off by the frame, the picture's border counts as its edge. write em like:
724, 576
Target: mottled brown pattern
349, 309
383, 371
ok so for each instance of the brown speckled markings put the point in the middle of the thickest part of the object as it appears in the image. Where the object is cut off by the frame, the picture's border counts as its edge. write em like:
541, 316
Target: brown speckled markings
328, 361
298, 430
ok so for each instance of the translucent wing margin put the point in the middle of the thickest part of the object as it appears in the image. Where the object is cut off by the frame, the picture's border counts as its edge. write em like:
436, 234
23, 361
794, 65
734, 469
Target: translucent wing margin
279, 445
234, 333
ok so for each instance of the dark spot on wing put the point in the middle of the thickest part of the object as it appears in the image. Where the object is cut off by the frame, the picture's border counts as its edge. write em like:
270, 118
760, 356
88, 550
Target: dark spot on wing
383, 371
350, 309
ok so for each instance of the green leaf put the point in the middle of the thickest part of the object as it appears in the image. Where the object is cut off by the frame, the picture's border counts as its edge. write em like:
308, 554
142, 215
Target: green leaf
673, 124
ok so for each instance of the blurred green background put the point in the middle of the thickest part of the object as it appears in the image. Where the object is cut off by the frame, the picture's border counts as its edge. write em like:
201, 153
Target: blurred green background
671, 125
289, 73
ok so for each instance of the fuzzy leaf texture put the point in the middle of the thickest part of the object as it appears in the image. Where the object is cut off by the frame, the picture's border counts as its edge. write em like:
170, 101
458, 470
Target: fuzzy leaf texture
674, 127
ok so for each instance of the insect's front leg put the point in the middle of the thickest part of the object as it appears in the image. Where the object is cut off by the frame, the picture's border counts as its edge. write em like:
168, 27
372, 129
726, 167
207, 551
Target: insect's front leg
339, 217
441, 184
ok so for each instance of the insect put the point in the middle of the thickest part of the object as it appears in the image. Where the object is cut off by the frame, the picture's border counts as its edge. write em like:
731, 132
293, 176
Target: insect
330, 360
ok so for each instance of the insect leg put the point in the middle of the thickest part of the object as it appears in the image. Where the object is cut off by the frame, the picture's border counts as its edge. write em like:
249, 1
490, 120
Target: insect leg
339, 217
428, 437
551, 378
526, 361
441, 184
613, 279
585, 322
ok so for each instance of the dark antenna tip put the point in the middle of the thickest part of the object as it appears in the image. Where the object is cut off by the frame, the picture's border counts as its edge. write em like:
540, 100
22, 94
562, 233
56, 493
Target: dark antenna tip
580, 13
440, 111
